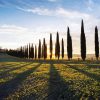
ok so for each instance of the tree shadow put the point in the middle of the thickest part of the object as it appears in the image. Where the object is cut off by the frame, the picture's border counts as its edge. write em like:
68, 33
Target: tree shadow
91, 75
5, 73
31, 96
93, 65
59, 89
10, 86
8, 65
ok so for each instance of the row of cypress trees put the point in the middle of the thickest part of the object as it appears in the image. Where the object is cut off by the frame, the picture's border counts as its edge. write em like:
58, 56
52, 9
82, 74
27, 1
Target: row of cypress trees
83, 42
29, 51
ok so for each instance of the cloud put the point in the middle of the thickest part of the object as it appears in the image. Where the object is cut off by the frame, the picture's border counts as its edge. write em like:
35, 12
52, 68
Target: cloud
9, 29
71, 14
39, 11
52, 0
59, 12
90, 5
69, 17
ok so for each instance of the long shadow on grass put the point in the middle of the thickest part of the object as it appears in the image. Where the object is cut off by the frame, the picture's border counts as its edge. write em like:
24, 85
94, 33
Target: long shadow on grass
8, 67
59, 89
5, 73
91, 75
93, 66
9, 87
4, 66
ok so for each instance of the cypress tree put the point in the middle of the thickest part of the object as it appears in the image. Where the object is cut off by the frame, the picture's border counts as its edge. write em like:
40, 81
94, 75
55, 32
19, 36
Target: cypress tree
83, 42
38, 53
42, 51
29, 51
71, 50
39, 49
19, 53
45, 48
51, 46
32, 51
62, 48
96, 43
55, 51
26, 51
57, 46
35, 52
69, 45
22, 53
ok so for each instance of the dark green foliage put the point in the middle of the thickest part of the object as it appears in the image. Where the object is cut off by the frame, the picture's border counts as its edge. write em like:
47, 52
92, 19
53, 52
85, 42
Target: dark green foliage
96, 43
44, 49
55, 51
39, 49
32, 51
17, 53
51, 46
57, 47
29, 51
62, 48
35, 52
69, 45
26, 51
83, 42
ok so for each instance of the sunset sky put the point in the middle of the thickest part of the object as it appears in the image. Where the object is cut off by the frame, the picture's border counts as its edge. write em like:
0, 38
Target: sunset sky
27, 21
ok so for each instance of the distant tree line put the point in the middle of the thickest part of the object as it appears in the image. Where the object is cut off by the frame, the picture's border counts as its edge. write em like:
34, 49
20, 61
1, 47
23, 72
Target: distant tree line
31, 51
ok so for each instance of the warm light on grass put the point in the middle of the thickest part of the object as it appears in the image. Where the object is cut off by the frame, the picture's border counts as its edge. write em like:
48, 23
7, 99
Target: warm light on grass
42, 80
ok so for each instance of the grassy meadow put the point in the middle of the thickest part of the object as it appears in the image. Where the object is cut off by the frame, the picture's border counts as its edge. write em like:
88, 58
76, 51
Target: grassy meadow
49, 80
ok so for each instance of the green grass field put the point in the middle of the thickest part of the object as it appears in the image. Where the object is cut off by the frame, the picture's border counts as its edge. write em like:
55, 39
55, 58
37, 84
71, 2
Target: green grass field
49, 80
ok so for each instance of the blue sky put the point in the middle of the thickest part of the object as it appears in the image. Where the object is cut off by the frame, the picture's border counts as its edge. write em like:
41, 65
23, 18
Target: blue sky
24, 21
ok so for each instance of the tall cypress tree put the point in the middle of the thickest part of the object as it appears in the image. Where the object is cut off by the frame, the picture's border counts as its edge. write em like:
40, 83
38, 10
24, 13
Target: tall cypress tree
42, 51
38, 53
71, 50
35, 52
51, 46
83, 42
23, 52
57, 51
62, 48
32, 51
26, 51
29, 51
96, 43
39, 49
45, 48
69, 45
